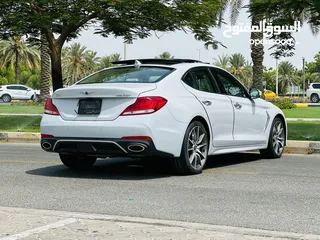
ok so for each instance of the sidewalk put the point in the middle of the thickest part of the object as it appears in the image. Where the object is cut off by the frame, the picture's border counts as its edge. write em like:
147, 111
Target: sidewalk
29, 224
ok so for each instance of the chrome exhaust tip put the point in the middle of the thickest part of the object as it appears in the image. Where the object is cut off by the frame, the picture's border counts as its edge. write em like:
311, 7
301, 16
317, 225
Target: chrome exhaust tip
136, 148
46, 145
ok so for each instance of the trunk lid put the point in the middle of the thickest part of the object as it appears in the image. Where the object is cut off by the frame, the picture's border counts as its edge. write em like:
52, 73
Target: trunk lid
115, 98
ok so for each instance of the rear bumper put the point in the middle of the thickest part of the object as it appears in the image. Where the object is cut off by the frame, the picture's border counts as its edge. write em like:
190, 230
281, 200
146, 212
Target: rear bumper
99, 147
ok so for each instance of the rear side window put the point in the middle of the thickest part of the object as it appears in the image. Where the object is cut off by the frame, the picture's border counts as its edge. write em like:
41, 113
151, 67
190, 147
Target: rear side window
13, 87
129, 75
316, 85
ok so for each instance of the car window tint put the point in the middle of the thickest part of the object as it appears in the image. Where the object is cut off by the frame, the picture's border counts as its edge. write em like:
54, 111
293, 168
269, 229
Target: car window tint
231, 85
204, 80
12, 87
22, 88
128, 75
316, 86
188, 79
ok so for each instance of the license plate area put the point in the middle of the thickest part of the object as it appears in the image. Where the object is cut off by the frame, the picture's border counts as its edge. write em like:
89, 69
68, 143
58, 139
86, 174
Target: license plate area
89, 106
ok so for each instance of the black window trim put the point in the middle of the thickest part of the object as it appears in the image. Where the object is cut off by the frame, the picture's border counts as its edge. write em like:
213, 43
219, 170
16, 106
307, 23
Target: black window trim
217, 70
212, 78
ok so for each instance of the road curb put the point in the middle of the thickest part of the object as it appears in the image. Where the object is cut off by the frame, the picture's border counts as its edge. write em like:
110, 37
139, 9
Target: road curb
293, 147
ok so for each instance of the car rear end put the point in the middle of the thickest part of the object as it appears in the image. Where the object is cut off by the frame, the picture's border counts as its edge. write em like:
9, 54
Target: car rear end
110, 113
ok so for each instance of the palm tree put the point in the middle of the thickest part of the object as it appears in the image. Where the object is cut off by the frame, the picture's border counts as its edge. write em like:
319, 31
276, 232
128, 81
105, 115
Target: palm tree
237, 61
45, 72
16, 52
287, 76
165, 55
106, 61
241, 68
74, 63
222, 62
257, 50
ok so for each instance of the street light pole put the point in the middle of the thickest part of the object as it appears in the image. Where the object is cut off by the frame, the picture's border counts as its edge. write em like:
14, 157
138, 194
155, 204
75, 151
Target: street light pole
125, 51
304, 79
199, 52
277, 76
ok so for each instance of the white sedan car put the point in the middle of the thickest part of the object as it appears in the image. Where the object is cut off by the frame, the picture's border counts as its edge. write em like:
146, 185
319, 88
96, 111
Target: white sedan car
181, 109
18, 92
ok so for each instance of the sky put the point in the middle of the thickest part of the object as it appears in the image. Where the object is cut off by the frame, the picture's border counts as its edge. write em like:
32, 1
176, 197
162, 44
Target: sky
182, 45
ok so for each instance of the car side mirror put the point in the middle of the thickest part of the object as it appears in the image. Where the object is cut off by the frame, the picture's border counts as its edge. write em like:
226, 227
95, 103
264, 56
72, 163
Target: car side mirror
255, 93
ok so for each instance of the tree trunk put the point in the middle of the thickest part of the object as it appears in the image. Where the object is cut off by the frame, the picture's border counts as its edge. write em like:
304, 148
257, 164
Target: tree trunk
17, 67
45, 70
56, 66
257, 53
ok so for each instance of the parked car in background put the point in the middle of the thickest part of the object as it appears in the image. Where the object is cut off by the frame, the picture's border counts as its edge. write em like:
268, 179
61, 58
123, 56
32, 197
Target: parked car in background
268, 94
313, 92
17, 92
180, 109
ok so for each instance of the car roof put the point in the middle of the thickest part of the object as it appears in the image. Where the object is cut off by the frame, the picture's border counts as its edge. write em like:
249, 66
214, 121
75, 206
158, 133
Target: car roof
157, 61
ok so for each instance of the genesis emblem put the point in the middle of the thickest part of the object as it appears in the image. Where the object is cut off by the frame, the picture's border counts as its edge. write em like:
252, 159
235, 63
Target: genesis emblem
87, 93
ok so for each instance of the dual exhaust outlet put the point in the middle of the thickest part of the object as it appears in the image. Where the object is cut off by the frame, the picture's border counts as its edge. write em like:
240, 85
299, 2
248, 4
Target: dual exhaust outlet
46, 145
134, 148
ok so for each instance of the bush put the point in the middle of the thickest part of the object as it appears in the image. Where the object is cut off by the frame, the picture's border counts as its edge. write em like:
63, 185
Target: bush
26, 103
283, 103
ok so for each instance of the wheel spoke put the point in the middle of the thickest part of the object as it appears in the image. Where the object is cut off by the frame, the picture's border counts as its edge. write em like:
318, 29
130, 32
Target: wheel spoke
200, 154
191, 158
200, 139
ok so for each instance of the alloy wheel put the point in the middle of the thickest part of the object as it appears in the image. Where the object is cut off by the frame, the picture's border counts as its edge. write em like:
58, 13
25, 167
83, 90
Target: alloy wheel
278, 137
197, 147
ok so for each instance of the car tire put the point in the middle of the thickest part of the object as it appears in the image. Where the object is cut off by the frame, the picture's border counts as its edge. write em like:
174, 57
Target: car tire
6, 98
276, 140
194, 151
314, 98
77, 162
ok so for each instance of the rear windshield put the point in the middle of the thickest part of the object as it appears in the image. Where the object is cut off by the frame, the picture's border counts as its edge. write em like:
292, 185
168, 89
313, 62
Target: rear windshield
128, 75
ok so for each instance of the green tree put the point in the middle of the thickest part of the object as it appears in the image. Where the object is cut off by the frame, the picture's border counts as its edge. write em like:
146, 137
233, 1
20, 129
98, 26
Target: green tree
106, 61
287, 76
257, 50
78, 62
285, 12
222, 62
165, 55
16, 52
62, 20
269, 76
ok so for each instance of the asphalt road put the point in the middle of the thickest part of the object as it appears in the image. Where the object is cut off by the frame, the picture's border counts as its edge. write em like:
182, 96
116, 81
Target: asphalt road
235, 190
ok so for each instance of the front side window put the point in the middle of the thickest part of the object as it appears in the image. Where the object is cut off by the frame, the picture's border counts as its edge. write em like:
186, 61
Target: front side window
231, 85
128, 75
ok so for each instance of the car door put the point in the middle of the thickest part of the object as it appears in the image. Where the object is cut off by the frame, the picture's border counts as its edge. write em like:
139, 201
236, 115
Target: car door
24, 93
200, 82
14, 91
251, 117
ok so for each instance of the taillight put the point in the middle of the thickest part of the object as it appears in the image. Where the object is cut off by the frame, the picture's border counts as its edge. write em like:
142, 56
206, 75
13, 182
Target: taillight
50, 108
145, 105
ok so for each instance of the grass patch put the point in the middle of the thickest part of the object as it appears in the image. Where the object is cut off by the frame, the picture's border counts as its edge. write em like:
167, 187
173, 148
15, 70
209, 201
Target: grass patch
305, 131
310, 112
14, 108
297, 130
20, 123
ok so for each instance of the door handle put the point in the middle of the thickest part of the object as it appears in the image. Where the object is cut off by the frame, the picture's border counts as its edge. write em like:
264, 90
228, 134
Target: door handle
238, 105
207, 103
